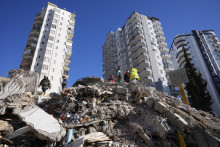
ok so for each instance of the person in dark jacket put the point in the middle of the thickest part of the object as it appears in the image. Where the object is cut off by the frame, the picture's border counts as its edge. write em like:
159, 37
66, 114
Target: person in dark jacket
45, 84
64, 83
127, 76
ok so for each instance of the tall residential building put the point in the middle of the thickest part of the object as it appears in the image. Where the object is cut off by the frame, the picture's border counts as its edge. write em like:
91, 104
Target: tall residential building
139, 43
49, 45
203, 48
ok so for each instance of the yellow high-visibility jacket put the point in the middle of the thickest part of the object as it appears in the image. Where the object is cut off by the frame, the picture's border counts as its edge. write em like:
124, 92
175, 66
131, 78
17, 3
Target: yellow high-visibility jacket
134, 74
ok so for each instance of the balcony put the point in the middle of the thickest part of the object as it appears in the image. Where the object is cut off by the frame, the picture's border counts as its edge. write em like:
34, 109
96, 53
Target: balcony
140, 50
68, 55
144, 72
159, 32
163, 44
143, 64
134, 15
157, 23
164, 50
33, 40
69, 47
137, 60
135, 46
217, 44
161, 38
72, 24
213, 34
166, 56
66, 68
70, 41
135, 40
67, 62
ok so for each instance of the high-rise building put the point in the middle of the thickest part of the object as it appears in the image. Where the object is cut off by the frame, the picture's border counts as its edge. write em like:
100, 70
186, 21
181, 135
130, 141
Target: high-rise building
203, 48
49, 45
139, 43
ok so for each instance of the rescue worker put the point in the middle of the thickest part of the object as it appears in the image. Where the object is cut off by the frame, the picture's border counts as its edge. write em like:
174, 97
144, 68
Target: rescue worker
111, 79
134, 74
134, 77
118, 74
64, 83
45, 84
127, 76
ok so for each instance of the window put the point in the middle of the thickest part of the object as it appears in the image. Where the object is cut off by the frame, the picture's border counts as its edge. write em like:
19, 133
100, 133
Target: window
41, 49
46, 24
48, 19
60, 29
49, 14
64, 43
56, 47
61, 23
37, 64
44, 36
56, 16
51, 78
42, 42
45, 67
53, 26
49, 44
61, 71
55, 20
46, 59
58, 41
62, 18
59, 35
55, 54
52, 32
51, 38
38, 56
53, 69
54, 61
57, 10
48, 52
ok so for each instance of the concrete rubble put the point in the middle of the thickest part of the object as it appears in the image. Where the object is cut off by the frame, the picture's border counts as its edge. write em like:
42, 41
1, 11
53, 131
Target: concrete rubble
97, 113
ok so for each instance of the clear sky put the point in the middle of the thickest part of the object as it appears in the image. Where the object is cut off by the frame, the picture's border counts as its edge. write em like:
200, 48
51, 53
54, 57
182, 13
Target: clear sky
94, 19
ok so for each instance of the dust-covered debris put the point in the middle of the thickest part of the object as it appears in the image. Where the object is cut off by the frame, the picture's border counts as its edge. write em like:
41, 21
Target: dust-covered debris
124, 115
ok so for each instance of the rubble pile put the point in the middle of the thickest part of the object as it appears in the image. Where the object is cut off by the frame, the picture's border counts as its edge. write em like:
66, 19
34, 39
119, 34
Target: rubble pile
98, 113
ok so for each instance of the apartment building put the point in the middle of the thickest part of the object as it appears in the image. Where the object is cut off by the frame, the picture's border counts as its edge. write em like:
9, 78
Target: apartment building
139, 43
49, 46
203, 48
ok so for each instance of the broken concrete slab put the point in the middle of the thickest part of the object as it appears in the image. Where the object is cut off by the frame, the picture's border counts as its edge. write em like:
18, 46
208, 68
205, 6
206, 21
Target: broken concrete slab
19, 132
45, 126
93, 137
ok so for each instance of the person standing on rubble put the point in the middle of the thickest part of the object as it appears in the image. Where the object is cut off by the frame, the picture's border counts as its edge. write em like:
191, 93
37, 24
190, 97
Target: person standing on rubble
45, 84
118, 74
127, 76
64, 83
134, 74
111, 79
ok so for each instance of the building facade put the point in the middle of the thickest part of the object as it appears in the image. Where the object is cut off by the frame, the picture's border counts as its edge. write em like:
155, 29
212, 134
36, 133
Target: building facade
203, 48
139, 43
49, 45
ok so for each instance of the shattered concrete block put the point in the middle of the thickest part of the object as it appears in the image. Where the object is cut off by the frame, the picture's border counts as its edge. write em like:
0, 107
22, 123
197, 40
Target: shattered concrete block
121, 90
149, 101
177, 102
5, 127
160, 107
44, 125
177, 120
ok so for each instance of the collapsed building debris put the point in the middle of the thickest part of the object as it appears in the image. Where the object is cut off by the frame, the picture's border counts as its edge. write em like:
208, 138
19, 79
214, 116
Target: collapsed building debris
21, 82
98, 113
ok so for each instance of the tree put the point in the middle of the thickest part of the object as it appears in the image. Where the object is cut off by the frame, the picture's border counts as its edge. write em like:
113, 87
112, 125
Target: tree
198, 95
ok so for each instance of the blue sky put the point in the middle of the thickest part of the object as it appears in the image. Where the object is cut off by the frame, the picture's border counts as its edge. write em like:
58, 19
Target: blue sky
95, 18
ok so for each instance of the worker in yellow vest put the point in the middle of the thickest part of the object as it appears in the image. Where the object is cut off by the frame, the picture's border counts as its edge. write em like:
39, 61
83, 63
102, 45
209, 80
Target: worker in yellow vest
134, 74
